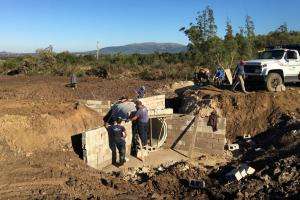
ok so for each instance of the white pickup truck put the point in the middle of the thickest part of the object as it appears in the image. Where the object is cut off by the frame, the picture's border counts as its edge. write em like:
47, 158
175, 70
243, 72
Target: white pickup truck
274, 67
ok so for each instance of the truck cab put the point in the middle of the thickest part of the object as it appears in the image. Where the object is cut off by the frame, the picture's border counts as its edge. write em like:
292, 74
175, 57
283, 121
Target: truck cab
273, 68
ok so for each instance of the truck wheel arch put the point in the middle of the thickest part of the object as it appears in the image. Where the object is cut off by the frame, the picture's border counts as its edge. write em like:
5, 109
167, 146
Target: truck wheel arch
278, 71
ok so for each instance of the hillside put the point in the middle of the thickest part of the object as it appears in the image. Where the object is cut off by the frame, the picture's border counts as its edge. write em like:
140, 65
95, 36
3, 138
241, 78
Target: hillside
144, 48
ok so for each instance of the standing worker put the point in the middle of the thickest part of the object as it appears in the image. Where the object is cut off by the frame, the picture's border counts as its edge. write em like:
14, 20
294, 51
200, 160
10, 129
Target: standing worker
119, 135
202, 76
141, 92
219, 76
142, 117
73, 80
239, 76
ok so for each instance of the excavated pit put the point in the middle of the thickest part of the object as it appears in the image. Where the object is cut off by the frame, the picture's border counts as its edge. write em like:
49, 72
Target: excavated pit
45, 166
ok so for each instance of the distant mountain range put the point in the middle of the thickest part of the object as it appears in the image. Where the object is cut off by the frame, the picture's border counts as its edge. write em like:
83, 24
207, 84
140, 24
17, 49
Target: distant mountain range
4, 54
143, 48
140, 48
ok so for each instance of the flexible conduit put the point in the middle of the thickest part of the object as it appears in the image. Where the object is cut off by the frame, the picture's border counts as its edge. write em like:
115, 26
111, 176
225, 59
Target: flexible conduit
163, 132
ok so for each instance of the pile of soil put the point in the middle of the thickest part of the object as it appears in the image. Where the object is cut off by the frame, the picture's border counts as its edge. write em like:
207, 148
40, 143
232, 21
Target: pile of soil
246, 114
27, 127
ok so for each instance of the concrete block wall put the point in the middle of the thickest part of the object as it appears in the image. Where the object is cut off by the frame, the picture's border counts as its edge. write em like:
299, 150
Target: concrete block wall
96, 149
181, 130
160, 112
155, 105
102, 107
154, 102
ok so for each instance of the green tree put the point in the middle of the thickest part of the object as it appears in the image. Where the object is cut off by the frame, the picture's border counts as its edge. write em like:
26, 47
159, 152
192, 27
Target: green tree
283, 28
205, 46
242, 45
230, 46
250, 34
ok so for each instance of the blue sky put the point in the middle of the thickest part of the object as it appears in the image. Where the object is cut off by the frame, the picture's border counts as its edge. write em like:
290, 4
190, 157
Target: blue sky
76, 25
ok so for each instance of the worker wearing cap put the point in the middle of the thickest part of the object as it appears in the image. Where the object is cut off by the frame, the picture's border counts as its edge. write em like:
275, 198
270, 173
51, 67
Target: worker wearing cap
239, 76
119, 134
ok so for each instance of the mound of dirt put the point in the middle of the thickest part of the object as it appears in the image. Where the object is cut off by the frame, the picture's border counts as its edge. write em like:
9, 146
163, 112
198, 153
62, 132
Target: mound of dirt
37, 113
248, 114
27, 127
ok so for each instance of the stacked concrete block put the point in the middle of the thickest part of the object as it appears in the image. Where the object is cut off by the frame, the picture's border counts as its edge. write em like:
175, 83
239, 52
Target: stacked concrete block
102, 107
154, 102
239, 173
208, 141
181, 135
180, 130
156, 106
160, 112
95, 143
96, 148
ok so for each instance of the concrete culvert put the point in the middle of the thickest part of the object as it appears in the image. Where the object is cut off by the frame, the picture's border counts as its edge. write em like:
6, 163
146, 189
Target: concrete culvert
157, 132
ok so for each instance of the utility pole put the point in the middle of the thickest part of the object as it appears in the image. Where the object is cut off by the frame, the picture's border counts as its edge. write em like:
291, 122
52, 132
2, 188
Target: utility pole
97, 50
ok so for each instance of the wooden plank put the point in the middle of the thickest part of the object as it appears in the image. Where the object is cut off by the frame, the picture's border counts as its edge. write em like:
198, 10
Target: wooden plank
228, 75
192, 145
150, 120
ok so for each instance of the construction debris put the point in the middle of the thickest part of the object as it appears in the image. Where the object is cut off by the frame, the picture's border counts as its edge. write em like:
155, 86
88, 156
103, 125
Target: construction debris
240, 172
233, 147
196, 184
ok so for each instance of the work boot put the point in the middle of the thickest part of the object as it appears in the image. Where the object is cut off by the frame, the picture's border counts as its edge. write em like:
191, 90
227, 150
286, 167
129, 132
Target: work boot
122, 160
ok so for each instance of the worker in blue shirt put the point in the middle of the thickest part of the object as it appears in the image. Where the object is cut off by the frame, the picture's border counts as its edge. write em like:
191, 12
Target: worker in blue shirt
219, 76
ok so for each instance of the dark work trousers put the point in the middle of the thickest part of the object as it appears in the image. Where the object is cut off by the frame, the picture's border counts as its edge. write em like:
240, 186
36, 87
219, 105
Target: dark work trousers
135, 139
121, 146
112, 146
143, 129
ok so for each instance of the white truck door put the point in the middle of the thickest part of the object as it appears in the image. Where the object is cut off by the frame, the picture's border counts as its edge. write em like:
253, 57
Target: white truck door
293, 67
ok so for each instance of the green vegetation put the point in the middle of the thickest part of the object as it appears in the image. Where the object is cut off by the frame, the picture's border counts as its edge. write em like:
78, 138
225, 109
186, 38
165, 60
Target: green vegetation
208, 49
205, 48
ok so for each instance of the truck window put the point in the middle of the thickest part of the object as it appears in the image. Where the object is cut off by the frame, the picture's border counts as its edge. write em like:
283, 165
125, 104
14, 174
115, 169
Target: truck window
291, 55
274, 54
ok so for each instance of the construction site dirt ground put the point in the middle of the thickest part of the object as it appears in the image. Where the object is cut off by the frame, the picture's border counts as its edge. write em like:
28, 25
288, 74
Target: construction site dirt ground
38, 116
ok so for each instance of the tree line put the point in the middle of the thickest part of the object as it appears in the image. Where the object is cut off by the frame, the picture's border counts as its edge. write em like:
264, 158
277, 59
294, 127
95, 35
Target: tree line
205, 49
208, 49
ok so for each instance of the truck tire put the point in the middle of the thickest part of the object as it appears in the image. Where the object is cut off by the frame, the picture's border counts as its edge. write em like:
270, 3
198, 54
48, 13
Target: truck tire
273, 80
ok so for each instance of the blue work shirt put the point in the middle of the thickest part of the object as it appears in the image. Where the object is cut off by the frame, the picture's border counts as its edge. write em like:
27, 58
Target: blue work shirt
240, 70
117, 131
142, 115
220, 74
